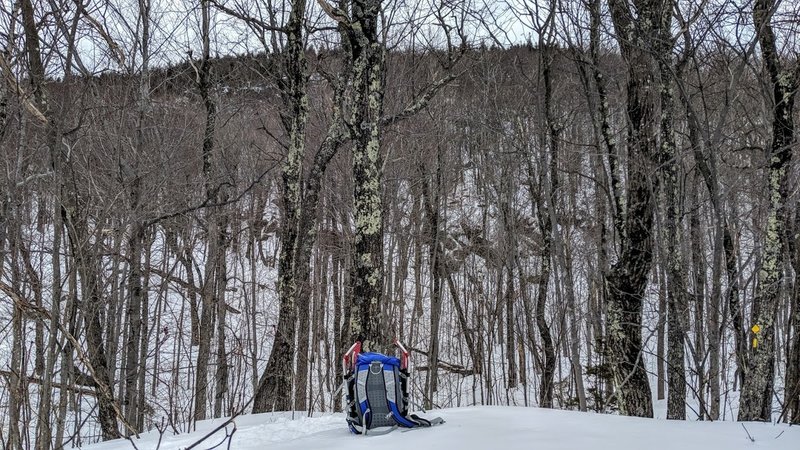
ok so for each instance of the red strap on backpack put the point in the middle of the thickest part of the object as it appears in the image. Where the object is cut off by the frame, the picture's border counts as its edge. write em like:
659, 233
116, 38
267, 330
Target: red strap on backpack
351, 357
403, 355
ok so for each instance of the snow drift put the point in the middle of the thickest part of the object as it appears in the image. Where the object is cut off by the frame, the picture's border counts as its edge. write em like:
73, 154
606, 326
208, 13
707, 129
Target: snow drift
482, 428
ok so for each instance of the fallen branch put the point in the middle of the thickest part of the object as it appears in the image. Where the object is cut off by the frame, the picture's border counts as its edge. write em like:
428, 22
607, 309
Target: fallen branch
444, 365
75, 389
223, 425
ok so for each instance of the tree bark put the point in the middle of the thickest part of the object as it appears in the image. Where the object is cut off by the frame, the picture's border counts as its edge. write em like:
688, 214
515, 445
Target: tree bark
367, 109
432, 203
16, 372
301, 196
136, 237
677, 315
215, 253
792, 401
759, 374
627, 279
698, 298
545, 227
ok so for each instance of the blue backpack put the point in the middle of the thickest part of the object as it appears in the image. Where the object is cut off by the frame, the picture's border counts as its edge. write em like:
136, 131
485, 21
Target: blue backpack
377, 392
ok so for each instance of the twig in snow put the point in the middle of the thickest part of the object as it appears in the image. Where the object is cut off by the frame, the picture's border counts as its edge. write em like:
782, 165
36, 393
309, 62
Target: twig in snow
161, 427
228, 437
748, 433
223, 425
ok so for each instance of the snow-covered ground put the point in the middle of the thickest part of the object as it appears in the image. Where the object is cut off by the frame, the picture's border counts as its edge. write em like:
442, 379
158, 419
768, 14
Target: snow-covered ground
485, 428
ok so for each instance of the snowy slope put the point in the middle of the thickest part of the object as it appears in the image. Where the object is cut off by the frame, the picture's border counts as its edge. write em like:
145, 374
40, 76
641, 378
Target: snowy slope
481, 428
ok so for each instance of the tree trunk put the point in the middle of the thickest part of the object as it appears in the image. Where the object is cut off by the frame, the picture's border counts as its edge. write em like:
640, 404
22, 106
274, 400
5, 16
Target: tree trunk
549, 362
432, 203
303, 349
144, 347
367, 90
511, 342
132, 182
759, 374
338, 345
77, 231
505, 196
698, 299
792, 400
618, 208
215, 253
627, 279
661, 375
574, 327
221, 375
135, 320
16, 396
677, 317
44, 428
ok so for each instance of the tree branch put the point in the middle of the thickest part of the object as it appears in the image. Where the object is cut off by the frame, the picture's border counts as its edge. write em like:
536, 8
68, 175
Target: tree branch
334, 13
23, 97
421, 102
246, 18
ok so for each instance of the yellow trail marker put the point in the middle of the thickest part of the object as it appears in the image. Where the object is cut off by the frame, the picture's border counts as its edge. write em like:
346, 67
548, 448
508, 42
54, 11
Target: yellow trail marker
755, 342
756, 329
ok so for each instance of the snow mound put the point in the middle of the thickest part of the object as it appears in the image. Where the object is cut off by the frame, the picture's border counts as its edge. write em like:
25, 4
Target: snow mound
486, 428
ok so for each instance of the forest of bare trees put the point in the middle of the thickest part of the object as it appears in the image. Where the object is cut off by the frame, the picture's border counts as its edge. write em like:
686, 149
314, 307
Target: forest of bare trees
575, 204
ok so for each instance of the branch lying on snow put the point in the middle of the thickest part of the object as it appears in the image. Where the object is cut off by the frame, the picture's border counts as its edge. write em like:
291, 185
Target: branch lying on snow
223, 425
444, 365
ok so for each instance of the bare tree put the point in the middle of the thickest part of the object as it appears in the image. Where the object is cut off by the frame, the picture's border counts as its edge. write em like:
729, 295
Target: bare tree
301, 196
76, 223
670, 177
